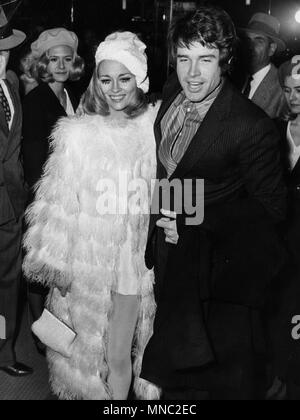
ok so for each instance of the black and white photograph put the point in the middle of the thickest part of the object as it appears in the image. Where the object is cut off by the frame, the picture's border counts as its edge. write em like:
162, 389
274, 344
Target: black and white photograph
149, 203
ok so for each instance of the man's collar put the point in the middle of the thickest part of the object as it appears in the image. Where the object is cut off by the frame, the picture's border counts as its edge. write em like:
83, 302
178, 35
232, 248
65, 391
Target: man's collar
206, 101
262, 72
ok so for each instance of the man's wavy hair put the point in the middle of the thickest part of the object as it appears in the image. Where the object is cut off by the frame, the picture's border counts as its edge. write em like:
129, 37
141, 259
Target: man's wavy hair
40, 72
94, 102
209, 25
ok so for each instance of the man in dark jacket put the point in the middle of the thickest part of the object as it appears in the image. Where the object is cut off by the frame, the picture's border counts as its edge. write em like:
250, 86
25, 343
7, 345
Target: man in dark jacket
262, 85
211, 278
12, 200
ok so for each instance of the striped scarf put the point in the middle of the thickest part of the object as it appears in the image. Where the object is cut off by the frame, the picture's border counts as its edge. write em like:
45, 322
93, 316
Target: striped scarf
179, 125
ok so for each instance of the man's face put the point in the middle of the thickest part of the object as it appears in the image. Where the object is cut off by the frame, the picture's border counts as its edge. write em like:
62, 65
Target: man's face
198, 70
261, 49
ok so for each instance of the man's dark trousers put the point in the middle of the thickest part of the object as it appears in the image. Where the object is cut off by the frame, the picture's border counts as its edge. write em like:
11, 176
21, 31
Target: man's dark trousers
10, 277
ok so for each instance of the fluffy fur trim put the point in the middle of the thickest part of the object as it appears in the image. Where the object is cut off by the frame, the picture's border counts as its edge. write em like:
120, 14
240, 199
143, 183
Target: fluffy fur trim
69, 243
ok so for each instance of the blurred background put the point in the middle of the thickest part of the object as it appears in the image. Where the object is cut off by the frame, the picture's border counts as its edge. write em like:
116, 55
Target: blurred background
92, 20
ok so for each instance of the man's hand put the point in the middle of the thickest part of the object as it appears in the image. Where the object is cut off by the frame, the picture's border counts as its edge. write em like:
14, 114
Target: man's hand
168, 223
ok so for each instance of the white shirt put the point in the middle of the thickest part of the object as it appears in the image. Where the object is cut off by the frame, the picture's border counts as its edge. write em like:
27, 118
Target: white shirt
69, 110
294, 154
9, 100
257, 79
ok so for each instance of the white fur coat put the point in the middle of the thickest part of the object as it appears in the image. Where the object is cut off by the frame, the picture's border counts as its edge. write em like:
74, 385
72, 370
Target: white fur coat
69, 243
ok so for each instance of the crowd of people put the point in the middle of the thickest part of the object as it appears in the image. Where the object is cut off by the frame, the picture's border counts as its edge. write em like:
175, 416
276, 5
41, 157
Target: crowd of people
160, 307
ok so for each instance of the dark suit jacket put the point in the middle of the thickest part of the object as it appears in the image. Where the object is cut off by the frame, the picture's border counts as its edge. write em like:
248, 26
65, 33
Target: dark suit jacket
12, 189
285, 299
41, 112
233, 255
236, 152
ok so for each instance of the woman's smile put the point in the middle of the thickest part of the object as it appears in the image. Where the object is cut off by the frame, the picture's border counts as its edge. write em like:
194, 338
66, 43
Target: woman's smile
118, 85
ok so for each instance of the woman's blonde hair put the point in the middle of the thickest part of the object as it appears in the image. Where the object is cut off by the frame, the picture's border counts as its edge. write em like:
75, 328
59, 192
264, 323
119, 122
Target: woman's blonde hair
40, 72
94, 103
286, 70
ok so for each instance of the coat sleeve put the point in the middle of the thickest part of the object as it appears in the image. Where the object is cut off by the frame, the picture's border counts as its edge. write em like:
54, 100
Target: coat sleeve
260, 164
35, 140
260, 167
53, 215
261, 171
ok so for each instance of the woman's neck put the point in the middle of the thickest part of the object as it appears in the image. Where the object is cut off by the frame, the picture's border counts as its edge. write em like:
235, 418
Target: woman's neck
296, 121
117, 115
58, 89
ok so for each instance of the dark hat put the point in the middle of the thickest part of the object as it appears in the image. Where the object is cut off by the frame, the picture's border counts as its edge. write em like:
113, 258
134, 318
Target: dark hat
266, 25
9, 38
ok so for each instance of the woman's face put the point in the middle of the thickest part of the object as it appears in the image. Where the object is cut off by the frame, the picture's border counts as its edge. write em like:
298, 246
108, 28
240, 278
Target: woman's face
118, 85
26, 63
292, 93
60, 63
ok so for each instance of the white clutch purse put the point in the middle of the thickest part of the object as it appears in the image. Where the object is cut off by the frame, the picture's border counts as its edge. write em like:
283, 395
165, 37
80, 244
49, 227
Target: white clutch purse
54, 333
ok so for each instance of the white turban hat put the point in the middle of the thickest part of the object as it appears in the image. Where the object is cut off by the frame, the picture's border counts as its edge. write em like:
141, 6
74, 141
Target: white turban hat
128, 49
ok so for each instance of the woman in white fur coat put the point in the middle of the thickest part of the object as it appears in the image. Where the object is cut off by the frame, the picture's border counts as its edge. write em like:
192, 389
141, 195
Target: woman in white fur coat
88, 229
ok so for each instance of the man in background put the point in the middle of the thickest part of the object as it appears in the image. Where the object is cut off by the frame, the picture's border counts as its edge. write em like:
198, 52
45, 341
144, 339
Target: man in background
262, 85
12, 200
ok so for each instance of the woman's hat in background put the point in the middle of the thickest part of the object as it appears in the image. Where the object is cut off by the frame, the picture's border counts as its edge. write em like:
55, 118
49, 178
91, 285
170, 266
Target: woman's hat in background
267, 25
53, 38
9, 38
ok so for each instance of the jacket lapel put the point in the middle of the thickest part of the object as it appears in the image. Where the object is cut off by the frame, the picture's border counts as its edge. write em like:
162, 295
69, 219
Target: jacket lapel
263, 92
55, 102
208, 132
171, 92
295, 174
5, 136
73, 98
17, 109
162, 111
17, 120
